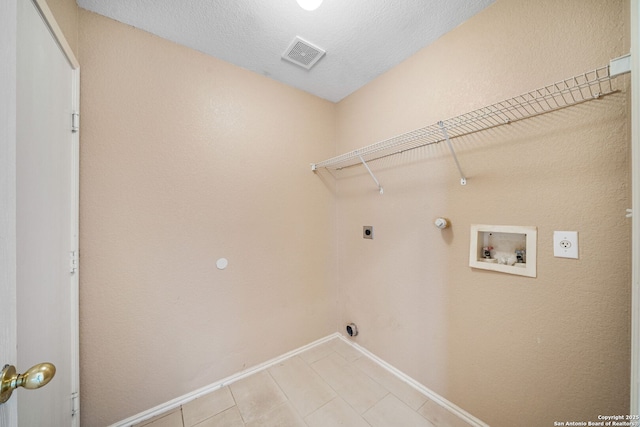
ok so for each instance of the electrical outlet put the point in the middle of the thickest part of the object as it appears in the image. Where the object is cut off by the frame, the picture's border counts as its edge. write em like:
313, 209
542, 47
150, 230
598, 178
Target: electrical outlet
565, 244
367, 232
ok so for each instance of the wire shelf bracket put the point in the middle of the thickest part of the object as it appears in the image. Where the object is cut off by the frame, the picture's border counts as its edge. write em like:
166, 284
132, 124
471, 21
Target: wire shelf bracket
463, 179
380, 189
574, 90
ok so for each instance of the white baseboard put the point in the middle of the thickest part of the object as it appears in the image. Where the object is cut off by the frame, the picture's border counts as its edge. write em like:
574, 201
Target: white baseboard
177, 402
432, 395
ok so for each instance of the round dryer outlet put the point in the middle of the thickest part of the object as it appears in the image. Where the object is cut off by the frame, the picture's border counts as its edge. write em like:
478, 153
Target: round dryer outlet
352, 329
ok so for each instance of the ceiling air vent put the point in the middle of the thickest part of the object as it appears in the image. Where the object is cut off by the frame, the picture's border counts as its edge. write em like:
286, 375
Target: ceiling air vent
303, 53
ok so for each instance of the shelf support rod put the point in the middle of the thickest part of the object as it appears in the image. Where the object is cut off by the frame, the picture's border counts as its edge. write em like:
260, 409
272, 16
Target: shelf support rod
463, 179
372, 175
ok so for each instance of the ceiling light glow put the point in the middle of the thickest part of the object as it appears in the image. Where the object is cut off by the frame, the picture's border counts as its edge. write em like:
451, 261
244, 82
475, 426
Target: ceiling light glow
309, 4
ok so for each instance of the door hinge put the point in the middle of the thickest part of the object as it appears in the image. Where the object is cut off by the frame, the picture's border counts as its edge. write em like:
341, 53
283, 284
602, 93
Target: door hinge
75, 122
74, 258
629, 213
75, 404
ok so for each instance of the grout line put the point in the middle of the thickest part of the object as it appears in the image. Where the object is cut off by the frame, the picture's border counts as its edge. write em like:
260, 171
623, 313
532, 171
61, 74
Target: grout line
430, 394
338, 395
380, 382
317, 409
363, 352
320, 377
235, 403
349, 364
186, 398
284, 393
324, 379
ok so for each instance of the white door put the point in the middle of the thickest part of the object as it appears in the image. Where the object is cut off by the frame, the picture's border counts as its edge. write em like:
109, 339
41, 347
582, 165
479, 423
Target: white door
635, 190
46, 220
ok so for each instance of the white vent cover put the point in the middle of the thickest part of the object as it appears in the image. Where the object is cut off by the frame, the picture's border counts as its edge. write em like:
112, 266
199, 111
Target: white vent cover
303, 53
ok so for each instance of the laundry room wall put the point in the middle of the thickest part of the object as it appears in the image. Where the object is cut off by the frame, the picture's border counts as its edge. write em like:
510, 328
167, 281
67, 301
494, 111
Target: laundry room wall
509, 349
66, 15
186, 159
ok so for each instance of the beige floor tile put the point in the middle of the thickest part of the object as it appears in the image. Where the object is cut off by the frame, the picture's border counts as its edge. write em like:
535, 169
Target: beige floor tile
345, 350
170, 419
440, 416
354, 386
336, 413
256, 395
207, 406
229, 418
391, 412
395, 385
318, 352
302, 385
281, 416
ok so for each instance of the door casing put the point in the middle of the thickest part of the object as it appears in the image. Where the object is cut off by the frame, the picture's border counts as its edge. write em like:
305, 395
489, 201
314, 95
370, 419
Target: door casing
8, 189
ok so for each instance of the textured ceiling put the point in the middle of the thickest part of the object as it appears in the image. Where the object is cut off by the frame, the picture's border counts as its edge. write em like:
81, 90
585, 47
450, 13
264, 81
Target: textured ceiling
363, 38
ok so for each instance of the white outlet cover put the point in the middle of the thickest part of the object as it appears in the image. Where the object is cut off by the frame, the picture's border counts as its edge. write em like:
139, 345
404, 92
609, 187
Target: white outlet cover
565, 244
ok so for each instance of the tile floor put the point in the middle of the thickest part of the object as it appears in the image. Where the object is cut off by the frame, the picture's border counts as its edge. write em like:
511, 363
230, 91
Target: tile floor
329, 385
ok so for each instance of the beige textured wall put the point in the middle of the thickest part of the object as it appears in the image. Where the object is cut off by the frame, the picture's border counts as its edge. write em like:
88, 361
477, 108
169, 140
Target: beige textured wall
186, 159
66, 14
508, 349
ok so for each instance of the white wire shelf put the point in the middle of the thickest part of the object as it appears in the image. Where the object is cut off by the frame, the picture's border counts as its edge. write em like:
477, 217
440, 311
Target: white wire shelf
581, 88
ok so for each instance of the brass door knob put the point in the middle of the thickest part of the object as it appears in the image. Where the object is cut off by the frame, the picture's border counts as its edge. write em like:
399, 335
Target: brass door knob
37, 376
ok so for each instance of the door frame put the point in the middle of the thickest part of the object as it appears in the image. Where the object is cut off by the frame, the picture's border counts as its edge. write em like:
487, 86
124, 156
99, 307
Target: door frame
8, 141
634, 408
8, 80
